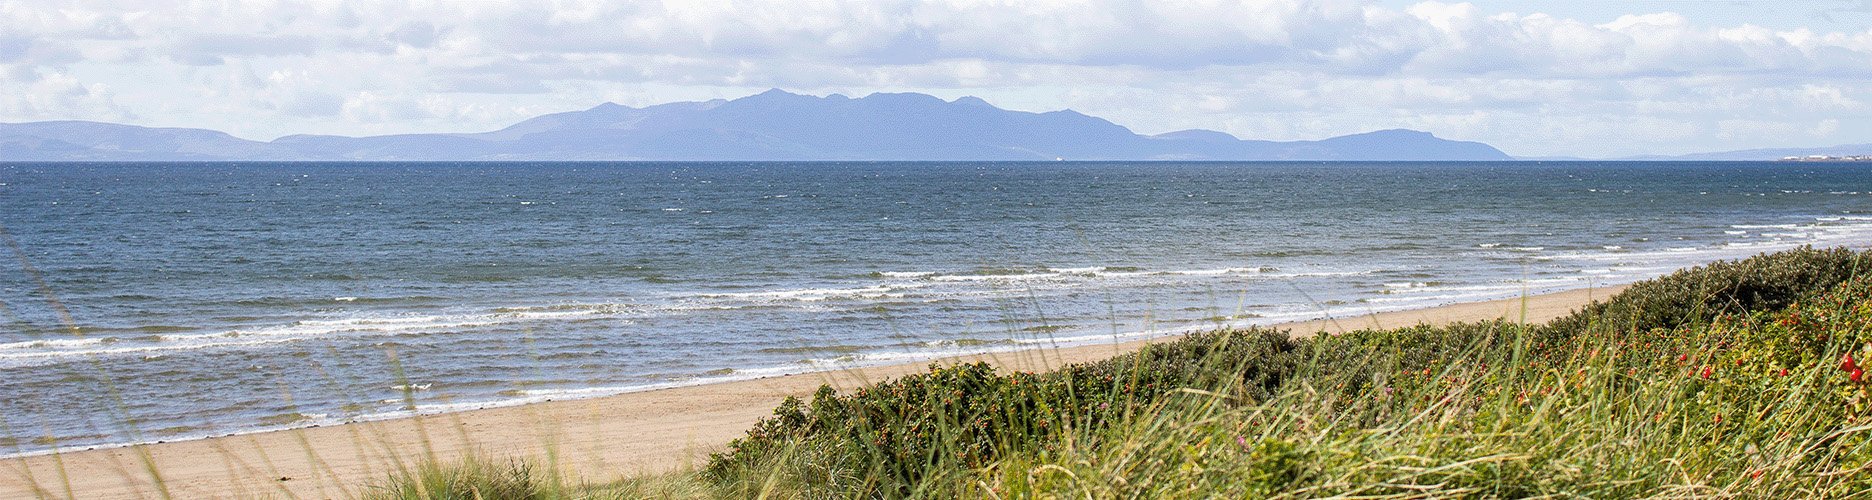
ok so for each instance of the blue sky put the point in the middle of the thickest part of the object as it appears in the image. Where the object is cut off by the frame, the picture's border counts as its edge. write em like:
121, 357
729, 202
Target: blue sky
1591, 78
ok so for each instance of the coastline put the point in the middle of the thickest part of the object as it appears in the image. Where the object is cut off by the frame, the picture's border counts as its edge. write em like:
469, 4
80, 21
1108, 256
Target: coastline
596, 439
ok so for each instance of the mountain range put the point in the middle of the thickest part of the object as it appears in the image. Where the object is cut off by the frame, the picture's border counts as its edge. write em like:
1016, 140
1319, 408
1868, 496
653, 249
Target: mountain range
773, 125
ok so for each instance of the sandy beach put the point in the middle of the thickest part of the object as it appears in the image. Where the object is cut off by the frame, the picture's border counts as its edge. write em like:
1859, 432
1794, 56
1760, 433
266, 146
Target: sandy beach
596, 439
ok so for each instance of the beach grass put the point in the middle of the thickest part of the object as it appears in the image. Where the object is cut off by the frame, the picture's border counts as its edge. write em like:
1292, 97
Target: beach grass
1733, 380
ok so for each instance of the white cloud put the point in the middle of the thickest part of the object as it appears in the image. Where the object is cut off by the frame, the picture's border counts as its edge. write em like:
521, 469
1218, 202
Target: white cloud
1273, 69
59, 94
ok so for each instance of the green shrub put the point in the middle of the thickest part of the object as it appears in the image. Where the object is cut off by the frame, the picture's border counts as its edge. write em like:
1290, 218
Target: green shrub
883, 440
470, 479
1693, 296
1256, 361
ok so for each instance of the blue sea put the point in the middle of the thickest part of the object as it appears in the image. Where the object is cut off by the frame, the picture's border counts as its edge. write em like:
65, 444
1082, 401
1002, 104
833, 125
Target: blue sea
213, 298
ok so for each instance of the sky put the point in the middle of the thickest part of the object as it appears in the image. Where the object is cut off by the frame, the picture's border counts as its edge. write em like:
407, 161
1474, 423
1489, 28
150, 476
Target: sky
1585, 78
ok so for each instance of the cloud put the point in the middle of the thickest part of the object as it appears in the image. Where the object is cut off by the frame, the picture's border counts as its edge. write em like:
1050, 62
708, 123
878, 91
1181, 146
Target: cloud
1332, 36
58, 95
370, 107
36, 51
1275, 69
223, 44
416, 34
313, 104
14, 48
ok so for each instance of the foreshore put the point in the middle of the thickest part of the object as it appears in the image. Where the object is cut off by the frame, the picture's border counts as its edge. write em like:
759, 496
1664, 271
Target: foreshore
596, 439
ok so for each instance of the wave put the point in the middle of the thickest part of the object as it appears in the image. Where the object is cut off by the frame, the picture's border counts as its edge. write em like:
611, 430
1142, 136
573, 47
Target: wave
810, 294
997, 276
36, 352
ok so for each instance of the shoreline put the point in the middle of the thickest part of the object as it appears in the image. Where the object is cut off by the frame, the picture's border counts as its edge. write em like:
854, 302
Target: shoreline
599, 438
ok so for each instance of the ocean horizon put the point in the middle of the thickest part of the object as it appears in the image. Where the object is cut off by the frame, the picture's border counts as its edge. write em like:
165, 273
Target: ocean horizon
218, 298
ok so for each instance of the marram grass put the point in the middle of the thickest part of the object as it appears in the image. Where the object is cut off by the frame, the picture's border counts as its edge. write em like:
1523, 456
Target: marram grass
1712, 415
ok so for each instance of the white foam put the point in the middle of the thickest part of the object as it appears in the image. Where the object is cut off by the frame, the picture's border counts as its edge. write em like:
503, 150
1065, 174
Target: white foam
1217, 272
813, 294
33, 353
1323, 274
1128, 274
996, 277
1415, 298
1207, 272
1079, 270
1422, 288
53, 343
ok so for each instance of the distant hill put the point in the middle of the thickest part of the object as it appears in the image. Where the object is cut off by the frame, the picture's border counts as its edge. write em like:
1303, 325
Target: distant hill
1769, 153
773, 125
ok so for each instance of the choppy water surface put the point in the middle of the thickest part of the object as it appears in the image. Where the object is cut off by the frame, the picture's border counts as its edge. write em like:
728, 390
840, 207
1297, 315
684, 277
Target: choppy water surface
218, 298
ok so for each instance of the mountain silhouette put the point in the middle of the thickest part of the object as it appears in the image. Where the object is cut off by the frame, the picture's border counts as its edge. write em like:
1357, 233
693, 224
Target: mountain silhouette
773, 125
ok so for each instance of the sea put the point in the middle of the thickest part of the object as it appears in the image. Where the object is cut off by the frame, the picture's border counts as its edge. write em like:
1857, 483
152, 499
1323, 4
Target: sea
145, 302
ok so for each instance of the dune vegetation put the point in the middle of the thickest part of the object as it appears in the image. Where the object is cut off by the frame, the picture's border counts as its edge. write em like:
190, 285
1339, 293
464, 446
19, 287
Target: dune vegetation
1735, 379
